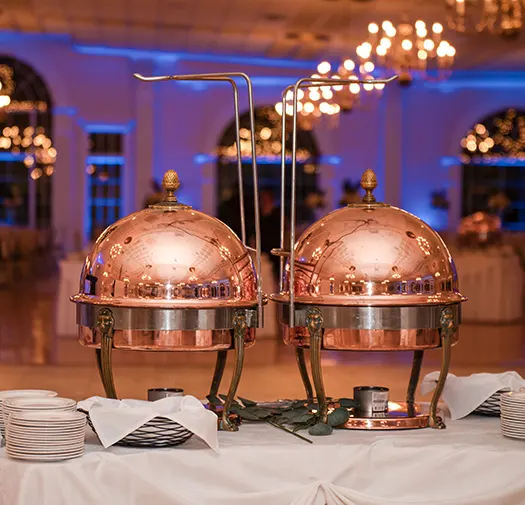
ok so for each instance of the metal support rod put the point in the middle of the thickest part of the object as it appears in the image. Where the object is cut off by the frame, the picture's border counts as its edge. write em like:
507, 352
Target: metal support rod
303, 370
314, 322
106, 323
448, 328
239, 333
228, 77
220, 364
414, 379
304, 83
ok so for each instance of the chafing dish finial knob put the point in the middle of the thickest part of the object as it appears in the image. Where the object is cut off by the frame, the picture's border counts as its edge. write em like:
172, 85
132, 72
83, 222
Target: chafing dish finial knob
170, 183
369, 183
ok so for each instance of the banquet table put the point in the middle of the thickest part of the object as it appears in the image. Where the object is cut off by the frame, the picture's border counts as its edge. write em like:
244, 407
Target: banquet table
468, 463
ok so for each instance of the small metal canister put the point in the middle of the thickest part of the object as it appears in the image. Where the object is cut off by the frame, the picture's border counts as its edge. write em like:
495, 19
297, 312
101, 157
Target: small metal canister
372, 401
159, 393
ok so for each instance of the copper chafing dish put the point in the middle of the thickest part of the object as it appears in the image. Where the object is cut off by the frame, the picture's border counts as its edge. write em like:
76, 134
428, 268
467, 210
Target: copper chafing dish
367, 277
170, 278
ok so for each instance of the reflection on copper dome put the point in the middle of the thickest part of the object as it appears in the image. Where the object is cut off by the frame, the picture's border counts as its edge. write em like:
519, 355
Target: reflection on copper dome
171, 256
371, 254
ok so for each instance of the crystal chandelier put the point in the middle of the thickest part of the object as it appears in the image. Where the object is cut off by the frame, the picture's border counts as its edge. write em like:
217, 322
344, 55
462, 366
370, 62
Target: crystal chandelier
315, 102
501, 17
407, 50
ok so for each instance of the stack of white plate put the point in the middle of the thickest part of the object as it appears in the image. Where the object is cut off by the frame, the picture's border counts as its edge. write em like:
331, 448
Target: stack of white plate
16, 393
45, 435
513, 414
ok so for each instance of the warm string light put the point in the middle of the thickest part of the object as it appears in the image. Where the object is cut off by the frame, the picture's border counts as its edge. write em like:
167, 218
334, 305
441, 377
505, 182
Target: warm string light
499, 17
406, 49
40, 155
503, 137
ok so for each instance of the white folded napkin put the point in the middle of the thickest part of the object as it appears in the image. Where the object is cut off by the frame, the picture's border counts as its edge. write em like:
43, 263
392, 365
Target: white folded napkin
463, 395
114, 419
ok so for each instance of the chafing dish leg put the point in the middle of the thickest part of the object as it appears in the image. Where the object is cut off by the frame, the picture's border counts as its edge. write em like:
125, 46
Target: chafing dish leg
105, 369
314, 322
414, 379
219, 371
239, 333
301, 362
448, 328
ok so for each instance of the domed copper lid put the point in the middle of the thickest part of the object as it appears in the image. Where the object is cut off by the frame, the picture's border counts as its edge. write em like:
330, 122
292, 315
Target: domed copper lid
371, 254
168, 256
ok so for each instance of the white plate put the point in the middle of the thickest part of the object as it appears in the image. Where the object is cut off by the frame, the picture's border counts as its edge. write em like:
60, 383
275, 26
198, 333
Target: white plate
50, 448
38, 438
17, 393
36, 403
55, 417
514, 435
44, 450
47, 424
28, 457
45, 441
48, 457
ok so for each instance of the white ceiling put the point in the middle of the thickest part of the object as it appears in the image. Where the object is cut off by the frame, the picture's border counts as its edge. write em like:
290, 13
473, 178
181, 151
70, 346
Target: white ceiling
299, 29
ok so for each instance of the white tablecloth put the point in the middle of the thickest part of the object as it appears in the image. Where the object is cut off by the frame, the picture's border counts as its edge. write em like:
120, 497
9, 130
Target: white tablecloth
468, 463
493, 282
69, 282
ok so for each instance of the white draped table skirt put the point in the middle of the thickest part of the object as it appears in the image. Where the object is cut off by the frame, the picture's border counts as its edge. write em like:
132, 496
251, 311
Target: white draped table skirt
469, 463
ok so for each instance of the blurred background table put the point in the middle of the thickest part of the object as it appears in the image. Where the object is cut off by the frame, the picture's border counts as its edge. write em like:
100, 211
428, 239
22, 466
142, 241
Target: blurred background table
69, 275
493, 280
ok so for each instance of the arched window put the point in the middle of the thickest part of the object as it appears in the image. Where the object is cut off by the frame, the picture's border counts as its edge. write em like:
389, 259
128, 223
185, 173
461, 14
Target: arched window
27, 154
268, 144
493, 158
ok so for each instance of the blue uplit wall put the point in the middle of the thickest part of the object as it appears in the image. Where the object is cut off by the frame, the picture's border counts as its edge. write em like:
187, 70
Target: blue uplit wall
177, 125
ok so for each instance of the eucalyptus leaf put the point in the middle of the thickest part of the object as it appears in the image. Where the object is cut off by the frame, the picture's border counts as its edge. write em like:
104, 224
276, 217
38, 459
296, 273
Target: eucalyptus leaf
338, 417
301, 418
247, 403
320, 430
348, 403
244, 414
234, 402
213, 400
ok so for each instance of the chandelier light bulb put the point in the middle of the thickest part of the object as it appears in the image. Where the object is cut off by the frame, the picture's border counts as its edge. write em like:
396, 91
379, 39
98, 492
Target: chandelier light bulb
381, 50
386, 25
324, 107
4, 100
336, 108
349, 65
366, 46
451, 51
314, 96
441, 51
368, 66
354, 88
406, 45
428, 45
327, 94
299, 106
422, 33
379, 86
391, 32
368, 86
308, 107
324, 67
437, 28
338, 87
300, 94
422, 54
289, 95
373, 28
420, 25
386, 43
